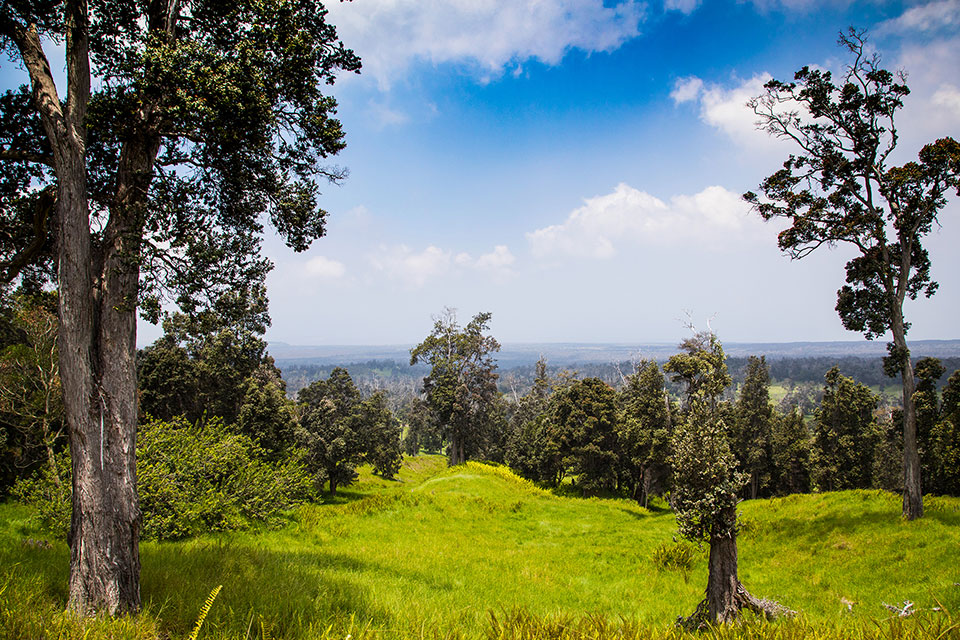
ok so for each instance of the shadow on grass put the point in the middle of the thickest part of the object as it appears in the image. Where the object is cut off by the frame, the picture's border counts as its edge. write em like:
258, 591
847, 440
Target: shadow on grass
290, 591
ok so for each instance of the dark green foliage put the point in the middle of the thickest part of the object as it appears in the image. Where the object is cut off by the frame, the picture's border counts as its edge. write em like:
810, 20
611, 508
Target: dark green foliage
701, 368
644, 432
32, 425
339, 430
790, 453
705, 480
330, 429
751, 427
581, 424
214, 365
927, 401
382, 435
192, 479
944, 443
527, 450
844, 435
461, 388
423, 430
265, 413
227, 105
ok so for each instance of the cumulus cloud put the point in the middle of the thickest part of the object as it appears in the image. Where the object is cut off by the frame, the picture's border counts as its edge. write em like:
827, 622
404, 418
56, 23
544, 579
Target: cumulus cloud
926, 17
415, 269
686, 89
489, 34
323, 268
627, 216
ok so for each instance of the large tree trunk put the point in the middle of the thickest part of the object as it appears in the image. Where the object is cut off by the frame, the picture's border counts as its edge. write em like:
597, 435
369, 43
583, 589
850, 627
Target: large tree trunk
726, 596
95, 361
912, 487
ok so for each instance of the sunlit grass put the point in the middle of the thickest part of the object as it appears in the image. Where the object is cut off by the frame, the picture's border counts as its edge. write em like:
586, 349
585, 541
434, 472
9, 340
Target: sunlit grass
436, 552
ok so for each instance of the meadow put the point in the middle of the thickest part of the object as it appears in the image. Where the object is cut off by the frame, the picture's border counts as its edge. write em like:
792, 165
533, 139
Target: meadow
476, 552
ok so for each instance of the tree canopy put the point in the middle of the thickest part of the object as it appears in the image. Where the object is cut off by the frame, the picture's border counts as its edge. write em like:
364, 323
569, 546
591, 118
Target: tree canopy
841, 188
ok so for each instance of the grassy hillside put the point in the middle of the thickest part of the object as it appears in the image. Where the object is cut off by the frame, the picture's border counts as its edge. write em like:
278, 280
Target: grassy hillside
434, 553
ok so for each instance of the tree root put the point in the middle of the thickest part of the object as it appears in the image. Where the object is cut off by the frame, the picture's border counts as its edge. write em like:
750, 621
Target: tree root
703, 618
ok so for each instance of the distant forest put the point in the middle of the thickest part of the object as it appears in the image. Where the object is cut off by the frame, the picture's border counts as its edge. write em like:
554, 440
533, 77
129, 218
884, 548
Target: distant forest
801, 379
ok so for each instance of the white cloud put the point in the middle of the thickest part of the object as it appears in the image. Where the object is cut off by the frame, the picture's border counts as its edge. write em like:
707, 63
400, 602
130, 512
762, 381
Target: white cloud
324, 268
927, 17
413, 269
385, 116
714, 217
948, 97
727, 110
497, 260
489, 34
683, 6
932, 110
686, 89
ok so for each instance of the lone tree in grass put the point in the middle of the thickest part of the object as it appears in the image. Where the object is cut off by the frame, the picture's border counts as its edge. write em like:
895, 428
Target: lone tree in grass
840, 188
707, 484
183, 126
461, 388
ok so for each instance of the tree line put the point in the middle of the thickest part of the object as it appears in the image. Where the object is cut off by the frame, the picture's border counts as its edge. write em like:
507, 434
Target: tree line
585, 433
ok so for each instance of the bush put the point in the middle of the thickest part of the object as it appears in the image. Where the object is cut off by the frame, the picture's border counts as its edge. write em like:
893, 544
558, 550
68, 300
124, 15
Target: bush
192, 479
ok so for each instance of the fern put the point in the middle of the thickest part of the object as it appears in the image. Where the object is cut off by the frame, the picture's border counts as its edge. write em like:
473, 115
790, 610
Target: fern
204, 610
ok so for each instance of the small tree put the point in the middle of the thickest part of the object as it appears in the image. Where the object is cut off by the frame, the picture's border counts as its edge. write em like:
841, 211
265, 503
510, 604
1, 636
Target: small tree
840, 188
844, 434
707, 484
790, 450
752, 425
644, 431
461, 388
581, 421
330, 429
945, 441
31, 399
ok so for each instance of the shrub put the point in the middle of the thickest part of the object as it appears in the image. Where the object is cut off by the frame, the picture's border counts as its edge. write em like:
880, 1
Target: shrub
191, 479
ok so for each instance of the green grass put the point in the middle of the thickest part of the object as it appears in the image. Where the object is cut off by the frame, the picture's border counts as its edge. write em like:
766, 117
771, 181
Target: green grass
437, 552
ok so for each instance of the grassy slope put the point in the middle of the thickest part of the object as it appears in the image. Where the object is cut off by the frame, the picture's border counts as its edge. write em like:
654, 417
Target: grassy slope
439, 549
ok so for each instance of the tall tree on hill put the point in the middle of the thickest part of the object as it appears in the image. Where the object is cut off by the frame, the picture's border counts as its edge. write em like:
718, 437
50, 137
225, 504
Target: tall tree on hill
462, 385
750, 437
790, 453
184, 124
844, 434
645, 429
841, 188
707, 483
581, 426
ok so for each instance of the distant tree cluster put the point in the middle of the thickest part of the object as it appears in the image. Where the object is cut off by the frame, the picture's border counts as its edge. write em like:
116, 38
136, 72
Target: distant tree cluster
586, 435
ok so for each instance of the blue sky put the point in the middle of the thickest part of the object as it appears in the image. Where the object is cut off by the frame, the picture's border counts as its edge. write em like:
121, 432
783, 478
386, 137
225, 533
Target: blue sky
574, 167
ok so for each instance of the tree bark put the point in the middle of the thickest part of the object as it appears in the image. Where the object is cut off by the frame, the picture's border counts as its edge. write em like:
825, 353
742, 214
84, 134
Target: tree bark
97, 342
726, 597
912, 487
